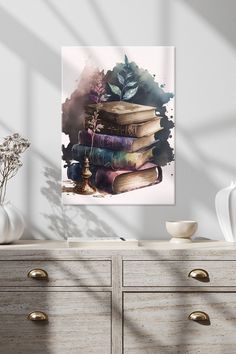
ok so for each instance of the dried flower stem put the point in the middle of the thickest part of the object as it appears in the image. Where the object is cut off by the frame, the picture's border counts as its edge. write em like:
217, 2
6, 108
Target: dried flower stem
10, 153
94, 128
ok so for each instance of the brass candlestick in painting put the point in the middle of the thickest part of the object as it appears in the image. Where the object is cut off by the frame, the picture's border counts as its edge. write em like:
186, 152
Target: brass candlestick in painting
85, 187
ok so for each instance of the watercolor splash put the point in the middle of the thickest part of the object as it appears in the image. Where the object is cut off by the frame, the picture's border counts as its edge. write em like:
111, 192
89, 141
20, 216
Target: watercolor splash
147, 92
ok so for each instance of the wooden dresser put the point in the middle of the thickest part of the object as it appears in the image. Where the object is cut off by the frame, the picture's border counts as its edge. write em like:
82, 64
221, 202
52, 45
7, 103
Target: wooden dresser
157, 298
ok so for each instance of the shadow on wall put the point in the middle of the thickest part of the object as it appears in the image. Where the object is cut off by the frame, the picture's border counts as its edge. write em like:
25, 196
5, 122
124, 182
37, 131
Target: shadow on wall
220, 14
63, 220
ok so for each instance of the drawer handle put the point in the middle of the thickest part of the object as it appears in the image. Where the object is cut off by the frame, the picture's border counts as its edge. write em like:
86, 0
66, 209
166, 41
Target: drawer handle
198, 316
199, 274
37, 316
38, 274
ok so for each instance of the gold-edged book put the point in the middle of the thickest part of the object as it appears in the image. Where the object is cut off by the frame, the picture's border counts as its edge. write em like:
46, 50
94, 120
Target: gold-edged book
123, 113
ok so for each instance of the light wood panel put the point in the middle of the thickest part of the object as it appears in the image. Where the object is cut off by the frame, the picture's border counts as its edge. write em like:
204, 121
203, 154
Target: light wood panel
152, 250
175, 273
60, 273
117, 305
158, 323
78, 322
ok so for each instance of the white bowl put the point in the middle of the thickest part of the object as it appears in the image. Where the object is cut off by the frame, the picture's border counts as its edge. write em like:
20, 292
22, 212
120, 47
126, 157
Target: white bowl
181, 231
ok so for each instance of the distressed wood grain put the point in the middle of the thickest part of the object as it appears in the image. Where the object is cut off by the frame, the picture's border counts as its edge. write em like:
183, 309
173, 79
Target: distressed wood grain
150, 250
158, 323
78, 322
175, 273
90, 289
117, 305
60, 273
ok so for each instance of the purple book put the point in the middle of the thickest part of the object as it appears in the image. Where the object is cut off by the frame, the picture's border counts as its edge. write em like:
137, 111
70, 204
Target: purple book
113, 142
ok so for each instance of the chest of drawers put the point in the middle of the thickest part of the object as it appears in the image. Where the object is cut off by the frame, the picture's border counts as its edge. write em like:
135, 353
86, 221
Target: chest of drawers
147, 300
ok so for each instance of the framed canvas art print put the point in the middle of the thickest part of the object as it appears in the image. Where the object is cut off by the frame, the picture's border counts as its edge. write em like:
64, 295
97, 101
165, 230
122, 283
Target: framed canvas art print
118, 125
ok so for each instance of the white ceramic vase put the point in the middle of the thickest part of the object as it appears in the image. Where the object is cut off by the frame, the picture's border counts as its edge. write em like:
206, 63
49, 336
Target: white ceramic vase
11, 223
225, 203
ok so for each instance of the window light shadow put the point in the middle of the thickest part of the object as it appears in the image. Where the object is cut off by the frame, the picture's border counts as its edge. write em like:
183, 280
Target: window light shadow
35, 53
220, 14
64, 219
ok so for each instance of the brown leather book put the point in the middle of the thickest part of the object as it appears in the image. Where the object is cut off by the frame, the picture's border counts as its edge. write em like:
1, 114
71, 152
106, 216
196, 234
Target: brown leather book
121, 181
123, 113
136, 130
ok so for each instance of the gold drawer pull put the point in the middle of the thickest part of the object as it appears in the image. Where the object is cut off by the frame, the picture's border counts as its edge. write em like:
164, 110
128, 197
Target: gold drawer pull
38, 274
198, 316
199, 274
37, 316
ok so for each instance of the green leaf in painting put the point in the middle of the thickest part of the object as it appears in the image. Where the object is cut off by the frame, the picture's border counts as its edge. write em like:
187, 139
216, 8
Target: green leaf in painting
115, 89
126, 60
131, 83
123, 71
121, 79
130, 93
129, 75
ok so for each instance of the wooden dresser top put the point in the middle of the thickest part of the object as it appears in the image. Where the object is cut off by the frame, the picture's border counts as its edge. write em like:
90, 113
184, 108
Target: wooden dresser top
44, 249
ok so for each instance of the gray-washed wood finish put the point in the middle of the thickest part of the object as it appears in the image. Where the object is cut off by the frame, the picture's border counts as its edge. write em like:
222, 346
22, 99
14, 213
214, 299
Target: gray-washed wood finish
78, 323
60, 273
175, 273
159, 250
158, 323
127, 301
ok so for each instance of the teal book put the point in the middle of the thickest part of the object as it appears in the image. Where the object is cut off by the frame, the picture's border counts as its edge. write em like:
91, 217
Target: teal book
110, 158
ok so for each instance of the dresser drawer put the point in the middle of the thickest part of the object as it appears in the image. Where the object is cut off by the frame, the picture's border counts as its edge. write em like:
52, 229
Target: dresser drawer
77, 322
159, 323
55, 273
179, 273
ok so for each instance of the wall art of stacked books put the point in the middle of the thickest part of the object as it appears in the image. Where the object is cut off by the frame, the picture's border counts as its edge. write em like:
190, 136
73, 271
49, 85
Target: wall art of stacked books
121, 157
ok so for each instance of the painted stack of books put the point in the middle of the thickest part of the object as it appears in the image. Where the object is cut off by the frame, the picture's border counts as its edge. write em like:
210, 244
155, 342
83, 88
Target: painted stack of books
122, 151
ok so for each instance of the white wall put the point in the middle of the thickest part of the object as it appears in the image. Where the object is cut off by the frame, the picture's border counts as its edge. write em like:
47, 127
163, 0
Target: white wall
203, 31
